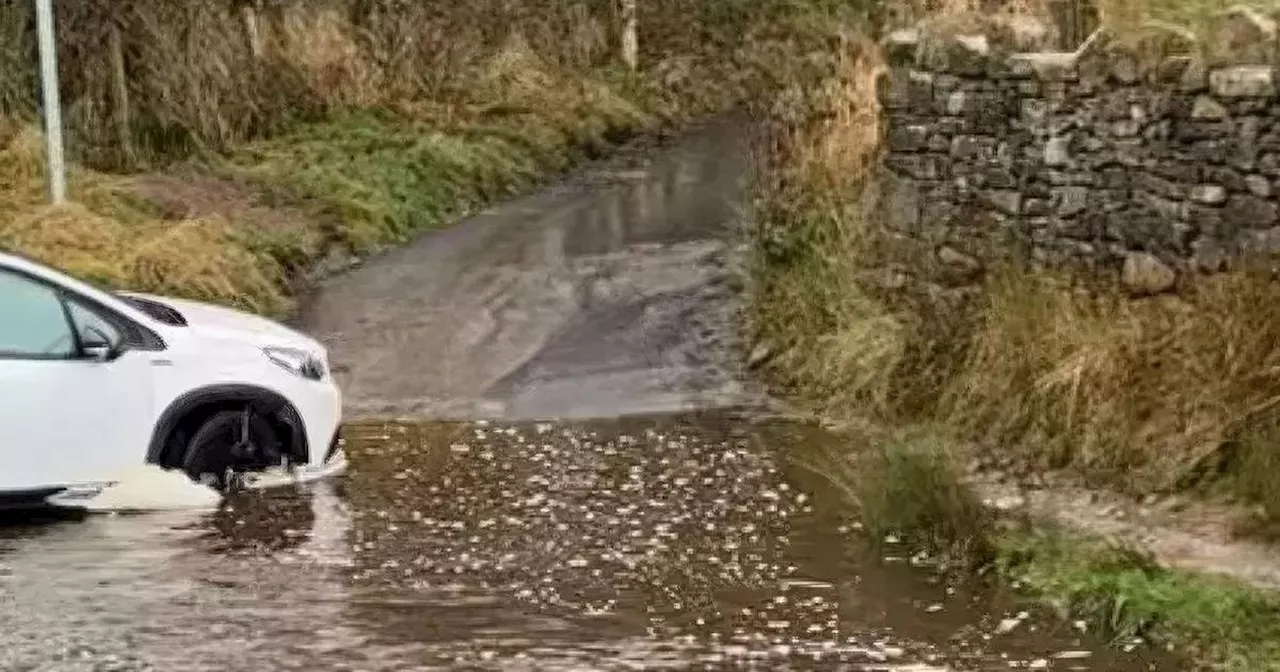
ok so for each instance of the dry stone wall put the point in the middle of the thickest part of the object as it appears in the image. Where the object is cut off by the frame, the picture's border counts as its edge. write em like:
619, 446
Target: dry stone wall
1152, 157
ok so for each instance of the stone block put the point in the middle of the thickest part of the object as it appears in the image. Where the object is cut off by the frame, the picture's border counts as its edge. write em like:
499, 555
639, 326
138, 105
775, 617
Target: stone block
1057, 151
1070, 201
1249, 212
901, 46
1206, 108
1243, 81
1232, 179
1005, 201
1209, 194
908, 137
965, 55
1258, 186
917, 166
902, 204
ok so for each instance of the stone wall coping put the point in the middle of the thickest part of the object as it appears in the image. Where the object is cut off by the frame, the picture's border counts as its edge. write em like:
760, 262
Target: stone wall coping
1241, 42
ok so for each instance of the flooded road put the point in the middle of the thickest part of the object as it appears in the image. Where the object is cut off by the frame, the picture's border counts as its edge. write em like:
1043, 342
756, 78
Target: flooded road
654, 525
647, 543
608, 294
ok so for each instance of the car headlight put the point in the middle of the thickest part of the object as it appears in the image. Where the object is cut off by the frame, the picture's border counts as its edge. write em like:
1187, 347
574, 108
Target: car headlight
299, 362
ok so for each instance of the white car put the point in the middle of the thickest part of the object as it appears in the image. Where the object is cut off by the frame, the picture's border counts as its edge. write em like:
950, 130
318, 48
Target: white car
94, 384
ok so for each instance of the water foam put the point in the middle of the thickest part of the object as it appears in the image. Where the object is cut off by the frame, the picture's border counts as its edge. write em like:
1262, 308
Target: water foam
150, 488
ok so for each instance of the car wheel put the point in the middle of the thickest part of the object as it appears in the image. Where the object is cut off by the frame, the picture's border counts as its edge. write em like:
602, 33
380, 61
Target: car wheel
228, 445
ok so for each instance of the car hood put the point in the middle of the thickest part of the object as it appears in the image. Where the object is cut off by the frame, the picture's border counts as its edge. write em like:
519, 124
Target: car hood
210, 319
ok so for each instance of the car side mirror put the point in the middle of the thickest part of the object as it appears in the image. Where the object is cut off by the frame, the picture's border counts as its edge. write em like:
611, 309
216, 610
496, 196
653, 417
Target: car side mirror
97, 346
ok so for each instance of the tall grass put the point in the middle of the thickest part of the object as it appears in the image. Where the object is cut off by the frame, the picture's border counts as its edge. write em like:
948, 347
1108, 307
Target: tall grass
192, 76
1054, 372
370, 119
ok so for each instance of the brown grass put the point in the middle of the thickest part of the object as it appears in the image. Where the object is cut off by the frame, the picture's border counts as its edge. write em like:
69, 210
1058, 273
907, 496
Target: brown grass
113, 238
1128, 15
370, 120
1149, 395
1155, 395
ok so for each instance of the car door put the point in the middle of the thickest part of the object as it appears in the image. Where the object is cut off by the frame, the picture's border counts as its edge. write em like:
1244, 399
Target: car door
66, 415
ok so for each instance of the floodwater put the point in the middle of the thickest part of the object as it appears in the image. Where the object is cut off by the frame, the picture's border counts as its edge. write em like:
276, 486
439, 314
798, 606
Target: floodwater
660, 524
607, 294
679, 542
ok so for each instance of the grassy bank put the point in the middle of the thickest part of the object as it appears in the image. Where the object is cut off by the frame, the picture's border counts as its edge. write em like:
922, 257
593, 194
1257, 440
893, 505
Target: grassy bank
907, 485
1031, 370
223, 153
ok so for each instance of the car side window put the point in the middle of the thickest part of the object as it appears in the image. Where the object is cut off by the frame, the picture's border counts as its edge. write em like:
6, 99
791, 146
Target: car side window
33, 323
92, 327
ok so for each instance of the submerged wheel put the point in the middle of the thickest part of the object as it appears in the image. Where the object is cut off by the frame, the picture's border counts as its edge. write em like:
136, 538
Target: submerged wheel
228, 445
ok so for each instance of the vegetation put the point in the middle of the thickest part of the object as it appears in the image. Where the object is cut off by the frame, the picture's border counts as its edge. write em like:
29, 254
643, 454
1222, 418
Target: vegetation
907, 485
1038, 370
222, 149
1226, 625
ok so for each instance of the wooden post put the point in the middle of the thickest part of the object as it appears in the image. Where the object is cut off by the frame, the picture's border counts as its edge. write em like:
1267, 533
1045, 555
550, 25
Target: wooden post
120, 92
252, 32
629, 44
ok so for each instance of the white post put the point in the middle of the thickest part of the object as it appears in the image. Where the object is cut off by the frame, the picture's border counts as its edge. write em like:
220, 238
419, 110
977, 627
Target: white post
630, 44
52, 106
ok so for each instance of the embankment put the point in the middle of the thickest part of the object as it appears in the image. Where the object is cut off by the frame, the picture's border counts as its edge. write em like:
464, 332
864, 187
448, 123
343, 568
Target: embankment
230, 151
1060, 265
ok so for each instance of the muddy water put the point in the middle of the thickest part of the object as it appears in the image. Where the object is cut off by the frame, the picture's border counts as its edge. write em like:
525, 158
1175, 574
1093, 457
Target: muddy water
660, 543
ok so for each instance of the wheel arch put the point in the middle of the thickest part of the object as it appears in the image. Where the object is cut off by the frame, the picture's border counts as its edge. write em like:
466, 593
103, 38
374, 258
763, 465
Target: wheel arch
188, 411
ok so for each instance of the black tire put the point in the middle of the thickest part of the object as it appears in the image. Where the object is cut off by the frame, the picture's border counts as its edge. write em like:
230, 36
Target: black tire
228, 444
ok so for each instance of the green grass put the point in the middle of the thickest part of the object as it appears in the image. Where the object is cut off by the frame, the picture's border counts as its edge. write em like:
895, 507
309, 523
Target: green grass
1218, 622
382, 181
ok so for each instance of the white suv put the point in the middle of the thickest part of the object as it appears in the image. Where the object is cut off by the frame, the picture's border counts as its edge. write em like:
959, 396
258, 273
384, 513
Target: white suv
95, 383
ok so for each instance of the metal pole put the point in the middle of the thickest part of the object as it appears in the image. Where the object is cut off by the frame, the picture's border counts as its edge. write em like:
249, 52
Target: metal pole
52, 106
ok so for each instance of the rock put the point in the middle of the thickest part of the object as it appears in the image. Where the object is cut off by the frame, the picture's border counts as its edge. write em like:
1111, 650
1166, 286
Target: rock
1243, 81
759, 355
908, 138
1207, 109
1057, 152
1007, 626
1249, 212
957, 54
1209, 194
1007, 201
901, 45
1259, 243
958, 264
1258, 185
1071, 201
1145, 275
1008, 503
